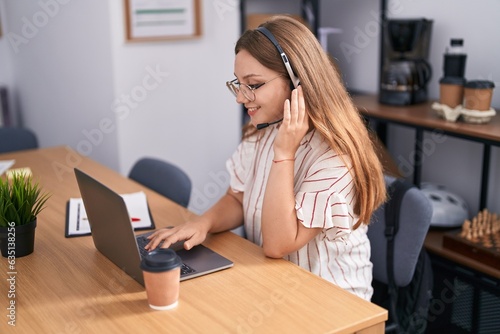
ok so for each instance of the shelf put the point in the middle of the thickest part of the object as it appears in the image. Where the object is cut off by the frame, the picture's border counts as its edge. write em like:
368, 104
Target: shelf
422, 116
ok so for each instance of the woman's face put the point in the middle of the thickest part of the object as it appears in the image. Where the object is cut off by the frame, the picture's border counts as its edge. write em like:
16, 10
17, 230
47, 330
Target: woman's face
269, 98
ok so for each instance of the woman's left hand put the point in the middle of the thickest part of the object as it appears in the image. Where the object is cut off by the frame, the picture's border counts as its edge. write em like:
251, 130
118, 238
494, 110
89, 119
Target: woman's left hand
293, 128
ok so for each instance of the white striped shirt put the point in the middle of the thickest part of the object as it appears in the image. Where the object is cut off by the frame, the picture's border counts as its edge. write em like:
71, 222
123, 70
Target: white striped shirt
324, 198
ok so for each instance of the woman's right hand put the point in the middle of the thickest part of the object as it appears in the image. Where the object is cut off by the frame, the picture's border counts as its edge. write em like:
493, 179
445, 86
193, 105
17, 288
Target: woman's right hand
226, 214
194, 232
293, 128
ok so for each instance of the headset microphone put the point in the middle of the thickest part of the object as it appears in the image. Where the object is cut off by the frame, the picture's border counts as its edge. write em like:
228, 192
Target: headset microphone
265, 125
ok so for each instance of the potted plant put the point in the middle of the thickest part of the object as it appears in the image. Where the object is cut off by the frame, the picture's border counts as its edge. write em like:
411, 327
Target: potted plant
21, 200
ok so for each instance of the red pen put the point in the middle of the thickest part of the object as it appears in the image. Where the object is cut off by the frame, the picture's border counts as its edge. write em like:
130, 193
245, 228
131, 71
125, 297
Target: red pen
134, 219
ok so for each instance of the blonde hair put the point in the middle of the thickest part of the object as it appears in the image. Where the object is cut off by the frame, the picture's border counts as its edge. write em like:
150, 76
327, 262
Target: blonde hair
328, 104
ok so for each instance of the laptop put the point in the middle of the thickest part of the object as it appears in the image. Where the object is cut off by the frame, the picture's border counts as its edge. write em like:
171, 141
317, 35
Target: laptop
114, 236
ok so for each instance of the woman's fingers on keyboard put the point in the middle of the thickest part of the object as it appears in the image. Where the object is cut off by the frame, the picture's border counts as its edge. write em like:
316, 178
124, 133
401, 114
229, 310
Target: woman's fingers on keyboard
157, 237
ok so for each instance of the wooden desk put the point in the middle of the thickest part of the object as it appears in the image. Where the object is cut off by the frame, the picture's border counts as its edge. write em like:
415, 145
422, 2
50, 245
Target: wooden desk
422, 118
67, 286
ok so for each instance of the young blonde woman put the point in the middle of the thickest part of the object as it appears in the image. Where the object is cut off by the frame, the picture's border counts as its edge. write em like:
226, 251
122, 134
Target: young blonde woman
305, 179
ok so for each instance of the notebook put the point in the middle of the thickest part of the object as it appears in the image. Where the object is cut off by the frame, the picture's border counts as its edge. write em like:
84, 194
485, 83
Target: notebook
114, 236
77, 224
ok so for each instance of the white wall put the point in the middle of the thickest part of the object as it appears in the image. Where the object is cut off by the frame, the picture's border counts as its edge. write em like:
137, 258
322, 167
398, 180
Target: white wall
62, 79
454, 163
189, 118
73, 70
356, 49
6, 74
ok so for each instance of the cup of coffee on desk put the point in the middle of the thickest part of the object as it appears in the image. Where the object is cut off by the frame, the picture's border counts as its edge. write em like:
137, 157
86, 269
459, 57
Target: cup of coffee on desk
162, 271
478, 95
451, 91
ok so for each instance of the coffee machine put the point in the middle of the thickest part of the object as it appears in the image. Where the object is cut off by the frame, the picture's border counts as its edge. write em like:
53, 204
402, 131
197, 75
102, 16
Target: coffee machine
405, 69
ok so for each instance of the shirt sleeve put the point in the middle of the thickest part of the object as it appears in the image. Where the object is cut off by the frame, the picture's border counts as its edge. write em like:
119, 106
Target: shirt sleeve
238, 166
325, 199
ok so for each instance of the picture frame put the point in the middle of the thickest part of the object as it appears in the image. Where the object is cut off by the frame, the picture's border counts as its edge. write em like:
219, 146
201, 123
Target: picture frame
160, 20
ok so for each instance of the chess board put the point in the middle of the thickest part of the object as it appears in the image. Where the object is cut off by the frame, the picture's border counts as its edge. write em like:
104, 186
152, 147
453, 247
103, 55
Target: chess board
485, 249
479, 239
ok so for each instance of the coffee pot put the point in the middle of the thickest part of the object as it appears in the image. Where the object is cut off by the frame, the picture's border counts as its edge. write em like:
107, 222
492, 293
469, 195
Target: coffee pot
405, 70
406, 75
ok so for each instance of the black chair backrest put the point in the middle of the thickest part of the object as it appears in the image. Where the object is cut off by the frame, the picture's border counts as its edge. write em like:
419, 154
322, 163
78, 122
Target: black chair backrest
402, 276
16, 139
164, 178
414, 221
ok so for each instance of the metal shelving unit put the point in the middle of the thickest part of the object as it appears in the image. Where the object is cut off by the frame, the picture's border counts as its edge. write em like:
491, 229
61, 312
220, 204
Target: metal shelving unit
309, 9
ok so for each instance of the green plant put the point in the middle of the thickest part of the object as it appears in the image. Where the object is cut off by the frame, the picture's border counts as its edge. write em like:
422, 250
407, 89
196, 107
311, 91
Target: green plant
21, 200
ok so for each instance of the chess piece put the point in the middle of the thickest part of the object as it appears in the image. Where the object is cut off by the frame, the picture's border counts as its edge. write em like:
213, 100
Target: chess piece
482, 218
473, 234
496, 223
465, 229
489, 222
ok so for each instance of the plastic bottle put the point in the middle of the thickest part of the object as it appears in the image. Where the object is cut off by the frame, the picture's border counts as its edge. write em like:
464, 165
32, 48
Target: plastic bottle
455, 58
456, 46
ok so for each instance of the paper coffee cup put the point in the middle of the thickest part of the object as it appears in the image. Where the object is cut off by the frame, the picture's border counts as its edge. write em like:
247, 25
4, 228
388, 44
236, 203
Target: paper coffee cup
451, 91
162, 271
478, 95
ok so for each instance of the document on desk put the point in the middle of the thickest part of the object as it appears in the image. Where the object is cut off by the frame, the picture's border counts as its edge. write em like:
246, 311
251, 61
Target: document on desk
5, 165
77, 223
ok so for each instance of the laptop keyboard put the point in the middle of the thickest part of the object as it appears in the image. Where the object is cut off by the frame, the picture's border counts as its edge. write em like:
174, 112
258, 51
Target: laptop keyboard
143, 241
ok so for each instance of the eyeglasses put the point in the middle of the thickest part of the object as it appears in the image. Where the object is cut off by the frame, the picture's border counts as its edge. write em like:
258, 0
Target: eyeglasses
248, 90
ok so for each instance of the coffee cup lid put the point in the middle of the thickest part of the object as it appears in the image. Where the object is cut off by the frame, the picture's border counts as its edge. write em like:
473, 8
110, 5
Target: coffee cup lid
159, 260
480, 84
452, 81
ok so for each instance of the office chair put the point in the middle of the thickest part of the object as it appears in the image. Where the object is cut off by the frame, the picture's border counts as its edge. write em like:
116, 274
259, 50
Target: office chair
415, 213
16, 139
164, 178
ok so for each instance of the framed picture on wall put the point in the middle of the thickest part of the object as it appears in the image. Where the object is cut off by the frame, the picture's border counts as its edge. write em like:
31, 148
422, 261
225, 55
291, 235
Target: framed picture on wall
156, 20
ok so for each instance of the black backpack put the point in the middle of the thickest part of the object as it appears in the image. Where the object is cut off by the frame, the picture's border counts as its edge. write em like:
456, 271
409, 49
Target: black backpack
408, 306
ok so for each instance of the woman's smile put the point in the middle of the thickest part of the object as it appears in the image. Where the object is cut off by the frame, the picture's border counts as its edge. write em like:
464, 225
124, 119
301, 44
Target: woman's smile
252, 110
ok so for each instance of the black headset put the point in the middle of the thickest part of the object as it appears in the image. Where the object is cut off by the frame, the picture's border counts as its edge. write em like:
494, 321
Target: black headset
284, 58
295, 80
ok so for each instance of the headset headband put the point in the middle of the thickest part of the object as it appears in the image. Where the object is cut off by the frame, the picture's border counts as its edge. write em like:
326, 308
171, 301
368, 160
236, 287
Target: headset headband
284, 58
